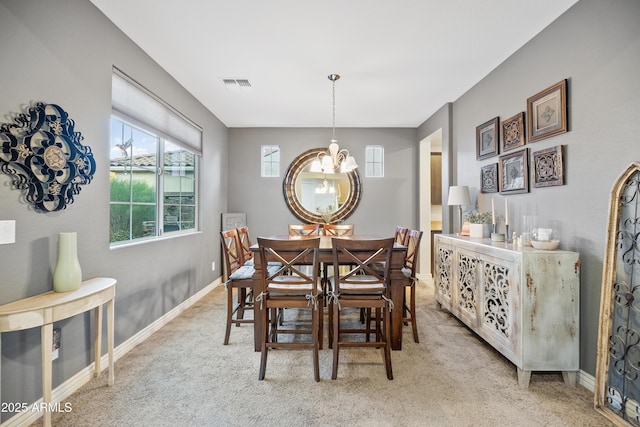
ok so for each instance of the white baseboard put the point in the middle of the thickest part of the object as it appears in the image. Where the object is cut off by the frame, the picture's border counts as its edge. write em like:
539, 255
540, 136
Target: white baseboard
74, 383
587, 381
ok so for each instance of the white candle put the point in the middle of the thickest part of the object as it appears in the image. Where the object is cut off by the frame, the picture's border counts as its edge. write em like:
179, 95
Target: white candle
506, 212
493, 212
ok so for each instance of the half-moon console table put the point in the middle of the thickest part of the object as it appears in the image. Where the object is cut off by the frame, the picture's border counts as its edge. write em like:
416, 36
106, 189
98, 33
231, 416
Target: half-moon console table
45, 309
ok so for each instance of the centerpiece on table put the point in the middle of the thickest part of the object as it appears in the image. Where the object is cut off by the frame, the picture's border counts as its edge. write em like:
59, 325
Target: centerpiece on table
477, 220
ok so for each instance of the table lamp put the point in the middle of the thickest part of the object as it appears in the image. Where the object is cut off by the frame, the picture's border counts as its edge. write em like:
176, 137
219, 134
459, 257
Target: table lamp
458, 196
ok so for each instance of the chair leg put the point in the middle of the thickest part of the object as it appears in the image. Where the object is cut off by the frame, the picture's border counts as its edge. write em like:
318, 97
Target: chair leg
265, 343
320, 310
330, 325
414, 324
229, 313
387, 343
317, 314
242, 295
336, 335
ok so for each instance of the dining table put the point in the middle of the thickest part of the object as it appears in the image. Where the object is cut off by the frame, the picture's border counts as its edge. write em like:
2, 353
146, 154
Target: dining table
398, 281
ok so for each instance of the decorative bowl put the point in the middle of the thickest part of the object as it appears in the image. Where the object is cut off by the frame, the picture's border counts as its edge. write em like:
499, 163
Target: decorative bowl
547, 245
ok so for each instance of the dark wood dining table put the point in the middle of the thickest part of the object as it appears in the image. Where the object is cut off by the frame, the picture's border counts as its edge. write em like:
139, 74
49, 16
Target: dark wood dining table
397, 285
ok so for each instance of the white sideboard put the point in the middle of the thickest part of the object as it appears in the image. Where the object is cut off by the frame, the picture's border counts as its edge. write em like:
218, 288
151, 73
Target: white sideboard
524, 302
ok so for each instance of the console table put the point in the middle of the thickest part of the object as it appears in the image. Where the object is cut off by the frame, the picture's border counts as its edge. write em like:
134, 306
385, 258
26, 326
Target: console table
45, 309
524, 302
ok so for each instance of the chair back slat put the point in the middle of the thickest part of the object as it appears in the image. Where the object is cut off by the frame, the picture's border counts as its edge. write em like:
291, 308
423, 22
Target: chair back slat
401, 235
304, 230
231, 250
338, 229
413, 249
364, 256
245, 244
293, 254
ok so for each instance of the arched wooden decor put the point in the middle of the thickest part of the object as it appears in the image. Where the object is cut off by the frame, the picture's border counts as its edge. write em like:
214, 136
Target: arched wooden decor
617, 394
291, 183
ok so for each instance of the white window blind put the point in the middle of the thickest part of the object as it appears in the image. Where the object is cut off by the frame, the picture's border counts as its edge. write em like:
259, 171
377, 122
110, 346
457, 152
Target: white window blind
132, 99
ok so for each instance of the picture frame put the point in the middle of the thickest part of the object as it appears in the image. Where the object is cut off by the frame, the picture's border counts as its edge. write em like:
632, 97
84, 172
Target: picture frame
489, 178
487, 137
513, 172
547, 112
548, 167
513, 135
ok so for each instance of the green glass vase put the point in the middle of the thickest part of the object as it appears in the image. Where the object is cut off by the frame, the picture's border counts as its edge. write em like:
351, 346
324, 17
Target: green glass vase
67, 274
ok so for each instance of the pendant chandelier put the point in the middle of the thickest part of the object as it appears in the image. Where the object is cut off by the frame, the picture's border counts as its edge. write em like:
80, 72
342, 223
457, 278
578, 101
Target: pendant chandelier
334, 158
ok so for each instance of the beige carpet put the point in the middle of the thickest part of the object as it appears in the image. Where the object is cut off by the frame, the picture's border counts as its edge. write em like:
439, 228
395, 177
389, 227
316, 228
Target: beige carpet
184, 376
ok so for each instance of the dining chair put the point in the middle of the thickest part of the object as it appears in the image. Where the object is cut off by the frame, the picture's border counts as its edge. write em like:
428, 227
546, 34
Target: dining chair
239, 277
362, 287
245, 245
290, 287
304, 230
409, 271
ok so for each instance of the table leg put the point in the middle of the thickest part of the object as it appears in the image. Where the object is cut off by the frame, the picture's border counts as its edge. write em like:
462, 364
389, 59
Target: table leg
397, 296
110, 315
97, 343
47, 344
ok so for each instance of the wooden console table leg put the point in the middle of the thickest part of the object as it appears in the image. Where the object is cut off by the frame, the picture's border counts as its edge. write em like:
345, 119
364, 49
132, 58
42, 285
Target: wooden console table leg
523, 378
110, 315
97, 343
47, 344
569, 378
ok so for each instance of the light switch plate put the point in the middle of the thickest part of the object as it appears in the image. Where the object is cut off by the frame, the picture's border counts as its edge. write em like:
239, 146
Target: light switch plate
7, 231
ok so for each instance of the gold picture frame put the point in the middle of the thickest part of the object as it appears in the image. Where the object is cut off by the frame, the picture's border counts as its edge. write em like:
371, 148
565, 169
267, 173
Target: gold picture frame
547, 112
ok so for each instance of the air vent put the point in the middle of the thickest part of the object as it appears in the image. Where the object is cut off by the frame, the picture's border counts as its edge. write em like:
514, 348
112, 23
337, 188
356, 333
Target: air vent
235, 85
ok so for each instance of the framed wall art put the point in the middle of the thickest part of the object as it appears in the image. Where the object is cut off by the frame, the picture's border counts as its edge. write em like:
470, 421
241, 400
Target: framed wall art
489, 178
513, 172
548, 167
512, 133
487, 135
547, 112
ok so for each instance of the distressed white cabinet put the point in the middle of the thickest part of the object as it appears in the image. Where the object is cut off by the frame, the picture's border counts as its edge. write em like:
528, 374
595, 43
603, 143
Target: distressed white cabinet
524, 302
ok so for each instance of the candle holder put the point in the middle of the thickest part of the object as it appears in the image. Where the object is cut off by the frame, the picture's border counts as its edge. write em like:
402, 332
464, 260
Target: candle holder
506, 226
497, 237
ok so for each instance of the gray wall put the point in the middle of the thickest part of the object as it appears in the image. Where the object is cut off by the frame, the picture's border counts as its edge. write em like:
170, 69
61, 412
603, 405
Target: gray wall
386, 202
62, 52
596, 46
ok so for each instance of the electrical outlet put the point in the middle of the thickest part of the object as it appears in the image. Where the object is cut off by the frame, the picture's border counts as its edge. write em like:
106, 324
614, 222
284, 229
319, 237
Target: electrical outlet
213, 266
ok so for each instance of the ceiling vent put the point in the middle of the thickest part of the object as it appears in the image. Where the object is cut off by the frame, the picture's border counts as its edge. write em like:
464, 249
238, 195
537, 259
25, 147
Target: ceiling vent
235, 85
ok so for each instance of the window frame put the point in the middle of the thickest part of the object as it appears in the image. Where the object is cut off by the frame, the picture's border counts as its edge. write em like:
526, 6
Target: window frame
370, 149
264, 162
162, 139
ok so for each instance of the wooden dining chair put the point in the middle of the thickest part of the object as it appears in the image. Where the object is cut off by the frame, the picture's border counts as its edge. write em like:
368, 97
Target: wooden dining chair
304, 230
363, 286
240, 278
290, 287
409, 271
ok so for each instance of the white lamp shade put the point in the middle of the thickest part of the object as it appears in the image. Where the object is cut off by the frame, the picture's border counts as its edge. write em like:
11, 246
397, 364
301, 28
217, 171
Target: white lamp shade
458, 195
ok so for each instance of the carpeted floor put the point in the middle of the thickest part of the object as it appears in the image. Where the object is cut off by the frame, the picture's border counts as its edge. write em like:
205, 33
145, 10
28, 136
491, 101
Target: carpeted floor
184, 376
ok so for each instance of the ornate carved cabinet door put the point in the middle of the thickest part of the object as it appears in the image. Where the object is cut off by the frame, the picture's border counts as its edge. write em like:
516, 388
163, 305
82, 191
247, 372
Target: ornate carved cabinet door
466, 298
443, 263
498, 300
618, 365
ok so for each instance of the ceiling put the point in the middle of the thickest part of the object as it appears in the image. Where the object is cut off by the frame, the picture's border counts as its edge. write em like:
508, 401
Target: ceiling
399, 61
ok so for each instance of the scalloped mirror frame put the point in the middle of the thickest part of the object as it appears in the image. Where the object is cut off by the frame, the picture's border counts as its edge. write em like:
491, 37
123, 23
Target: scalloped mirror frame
296, 208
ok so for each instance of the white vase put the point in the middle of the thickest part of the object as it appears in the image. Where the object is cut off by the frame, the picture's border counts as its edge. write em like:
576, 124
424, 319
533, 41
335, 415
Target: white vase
476, 230
67, 274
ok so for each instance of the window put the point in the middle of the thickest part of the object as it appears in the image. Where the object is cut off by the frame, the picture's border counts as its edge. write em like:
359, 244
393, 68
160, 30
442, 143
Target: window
270, 160
153, 173
374, 167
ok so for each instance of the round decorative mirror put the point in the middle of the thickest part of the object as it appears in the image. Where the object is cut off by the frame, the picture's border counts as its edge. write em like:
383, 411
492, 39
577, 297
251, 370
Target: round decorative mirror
315, 197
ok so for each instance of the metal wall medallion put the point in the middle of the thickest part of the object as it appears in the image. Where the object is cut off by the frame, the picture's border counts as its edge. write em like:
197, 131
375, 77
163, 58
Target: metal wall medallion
42, 154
